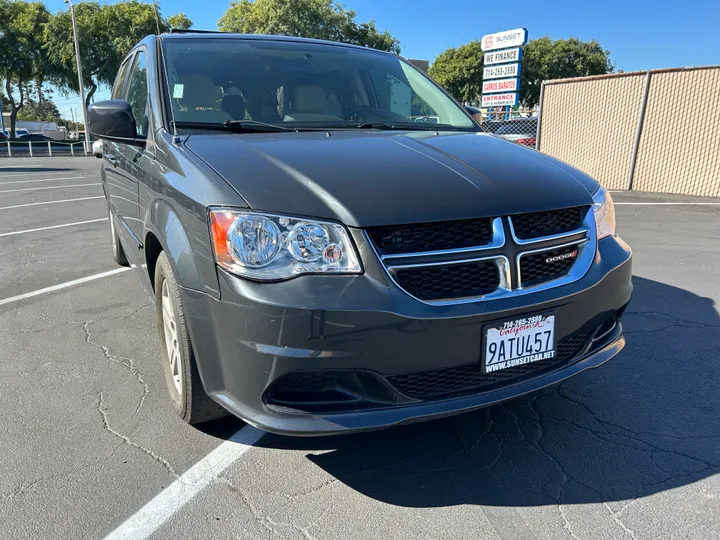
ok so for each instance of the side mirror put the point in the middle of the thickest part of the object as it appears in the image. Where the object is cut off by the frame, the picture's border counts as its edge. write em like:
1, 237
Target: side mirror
113, 120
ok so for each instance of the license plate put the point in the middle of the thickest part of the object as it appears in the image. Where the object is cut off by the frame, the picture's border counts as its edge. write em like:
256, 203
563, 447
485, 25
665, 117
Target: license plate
519, 341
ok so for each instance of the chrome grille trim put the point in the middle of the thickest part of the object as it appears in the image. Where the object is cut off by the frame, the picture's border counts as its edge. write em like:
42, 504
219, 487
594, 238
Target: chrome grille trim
550, 237
498, 241
501, 261
587, 247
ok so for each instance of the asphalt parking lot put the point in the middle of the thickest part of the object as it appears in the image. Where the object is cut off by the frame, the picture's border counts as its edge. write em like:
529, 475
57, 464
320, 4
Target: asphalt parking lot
90, 447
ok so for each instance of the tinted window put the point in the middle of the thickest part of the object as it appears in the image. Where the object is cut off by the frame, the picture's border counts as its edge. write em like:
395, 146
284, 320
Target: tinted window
137, 93
120, 80
300, 83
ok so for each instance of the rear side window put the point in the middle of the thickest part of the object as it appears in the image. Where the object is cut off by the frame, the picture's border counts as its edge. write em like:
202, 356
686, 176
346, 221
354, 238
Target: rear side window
120, 79
137, 93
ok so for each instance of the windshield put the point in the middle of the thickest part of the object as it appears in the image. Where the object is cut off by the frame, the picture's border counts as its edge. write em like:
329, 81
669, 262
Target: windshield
297, 84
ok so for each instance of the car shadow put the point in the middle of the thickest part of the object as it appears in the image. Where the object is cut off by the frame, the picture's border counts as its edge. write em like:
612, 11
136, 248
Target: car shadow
13, 170
644, 422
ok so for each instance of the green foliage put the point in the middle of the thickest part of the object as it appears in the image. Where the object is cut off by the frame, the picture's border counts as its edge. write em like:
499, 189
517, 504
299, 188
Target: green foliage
39, 105
319, 19
106, 34
179, 21
545, 59
21, 56
460, 71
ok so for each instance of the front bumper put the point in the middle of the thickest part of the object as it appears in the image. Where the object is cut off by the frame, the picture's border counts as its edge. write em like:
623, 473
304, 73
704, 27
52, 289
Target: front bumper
258, 333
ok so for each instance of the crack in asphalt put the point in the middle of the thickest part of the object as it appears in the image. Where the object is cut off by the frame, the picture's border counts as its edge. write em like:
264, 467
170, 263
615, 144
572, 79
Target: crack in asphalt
24, 331
127, 440
630, 434
619, 521
126, 362
267, 520
565, 476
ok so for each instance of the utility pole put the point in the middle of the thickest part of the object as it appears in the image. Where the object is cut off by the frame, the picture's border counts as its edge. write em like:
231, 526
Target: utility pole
80, 77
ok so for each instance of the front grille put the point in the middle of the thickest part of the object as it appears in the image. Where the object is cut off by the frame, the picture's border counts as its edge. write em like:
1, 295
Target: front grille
537, 224
461, 280
470, 379
535, 268
398, 239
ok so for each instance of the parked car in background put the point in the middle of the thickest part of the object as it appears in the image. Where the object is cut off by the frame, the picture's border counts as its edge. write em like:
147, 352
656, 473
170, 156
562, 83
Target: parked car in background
97, 149
320, 263
35, 137
491, 126
19, 132
3, 136
519, 130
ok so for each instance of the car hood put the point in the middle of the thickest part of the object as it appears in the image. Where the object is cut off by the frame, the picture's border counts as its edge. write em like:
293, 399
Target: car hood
366, 178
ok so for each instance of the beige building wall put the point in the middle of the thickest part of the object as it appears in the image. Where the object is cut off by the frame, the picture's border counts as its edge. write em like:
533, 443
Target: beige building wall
591, 123
679, 148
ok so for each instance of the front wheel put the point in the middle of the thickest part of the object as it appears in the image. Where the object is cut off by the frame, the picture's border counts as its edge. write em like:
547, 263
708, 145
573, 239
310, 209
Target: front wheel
187, 394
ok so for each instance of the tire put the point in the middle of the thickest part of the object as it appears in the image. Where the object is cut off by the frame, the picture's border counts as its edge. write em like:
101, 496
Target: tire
118, 252
185, 388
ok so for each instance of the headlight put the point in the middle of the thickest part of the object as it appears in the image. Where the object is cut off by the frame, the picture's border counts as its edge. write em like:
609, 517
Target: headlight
269, 247
604, 210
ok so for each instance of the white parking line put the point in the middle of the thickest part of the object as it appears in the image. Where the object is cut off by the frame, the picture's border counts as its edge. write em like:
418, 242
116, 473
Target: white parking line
20, 166
53, 227
205, 472
48, 187
60, 286
669, 203
54, 179
50, 202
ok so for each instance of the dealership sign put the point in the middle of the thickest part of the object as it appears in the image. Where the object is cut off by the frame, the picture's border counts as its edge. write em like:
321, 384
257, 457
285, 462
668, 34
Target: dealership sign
501, 71
499, 100
502, 57
504, 40
501, 85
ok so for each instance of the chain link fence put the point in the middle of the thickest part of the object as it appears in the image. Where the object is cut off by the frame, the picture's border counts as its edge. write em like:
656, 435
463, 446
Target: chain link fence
9, 149
518, 126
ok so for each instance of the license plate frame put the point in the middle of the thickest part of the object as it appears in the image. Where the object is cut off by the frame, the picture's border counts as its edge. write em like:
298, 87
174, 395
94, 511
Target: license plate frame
491, 334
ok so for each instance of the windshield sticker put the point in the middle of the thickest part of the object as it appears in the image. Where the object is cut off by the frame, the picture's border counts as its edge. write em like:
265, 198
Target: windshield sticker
178, 90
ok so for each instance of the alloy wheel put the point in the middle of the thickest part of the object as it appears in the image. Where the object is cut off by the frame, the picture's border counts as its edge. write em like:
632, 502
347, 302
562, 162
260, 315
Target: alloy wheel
172, 343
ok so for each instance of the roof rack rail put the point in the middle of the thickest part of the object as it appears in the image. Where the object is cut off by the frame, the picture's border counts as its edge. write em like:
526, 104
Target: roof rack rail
191, 31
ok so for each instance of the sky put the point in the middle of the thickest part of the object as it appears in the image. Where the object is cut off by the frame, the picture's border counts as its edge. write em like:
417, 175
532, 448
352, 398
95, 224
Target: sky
640, 34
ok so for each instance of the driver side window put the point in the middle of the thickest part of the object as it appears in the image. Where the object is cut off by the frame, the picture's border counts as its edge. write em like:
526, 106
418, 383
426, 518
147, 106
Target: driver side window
137, 94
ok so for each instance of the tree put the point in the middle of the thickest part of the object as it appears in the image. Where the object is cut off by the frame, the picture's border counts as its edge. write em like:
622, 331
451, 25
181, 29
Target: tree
106, 34
179, 21
460, 71
40, 107
21, 57
545, 59
320, 19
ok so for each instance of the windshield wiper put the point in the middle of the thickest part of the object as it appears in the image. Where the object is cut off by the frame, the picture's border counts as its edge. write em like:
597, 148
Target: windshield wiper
254, 125
234, 125
399, 127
